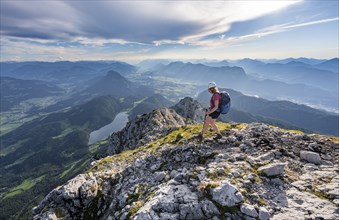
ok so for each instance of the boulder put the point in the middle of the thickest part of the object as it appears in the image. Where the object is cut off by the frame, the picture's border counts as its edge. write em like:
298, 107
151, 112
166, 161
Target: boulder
71, 189
266, 157
75, 195
249, 210
167, 199
203, 210
310, 156
227, 195
273, 169
264, 214
159, 176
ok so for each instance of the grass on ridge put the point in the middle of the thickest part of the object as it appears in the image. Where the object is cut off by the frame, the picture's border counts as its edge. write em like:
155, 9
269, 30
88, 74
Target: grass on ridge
174, 137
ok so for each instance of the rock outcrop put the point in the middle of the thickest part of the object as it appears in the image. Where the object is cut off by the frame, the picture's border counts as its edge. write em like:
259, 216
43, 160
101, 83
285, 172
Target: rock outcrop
254, 172
144, 129
190, 109
149, 127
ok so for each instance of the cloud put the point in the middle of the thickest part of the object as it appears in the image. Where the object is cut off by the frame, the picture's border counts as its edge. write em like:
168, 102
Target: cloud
223, 41
38, 19
23, 50
280, 28
147, 22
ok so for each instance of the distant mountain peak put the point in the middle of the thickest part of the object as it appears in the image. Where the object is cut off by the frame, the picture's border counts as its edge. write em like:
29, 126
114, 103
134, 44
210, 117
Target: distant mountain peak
114, 75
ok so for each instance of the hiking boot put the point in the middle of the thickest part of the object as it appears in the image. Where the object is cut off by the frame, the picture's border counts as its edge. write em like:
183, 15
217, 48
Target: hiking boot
200, 137
217, 137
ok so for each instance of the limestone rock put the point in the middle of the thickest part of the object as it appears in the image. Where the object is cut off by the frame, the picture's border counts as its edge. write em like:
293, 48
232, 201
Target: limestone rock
249, 210
191, 109
263, 214
227, 195
331, 188
201, 210
159, 176
153, 124
310, 156
266, 157
273, 169
74, 196
180, 199
297, 203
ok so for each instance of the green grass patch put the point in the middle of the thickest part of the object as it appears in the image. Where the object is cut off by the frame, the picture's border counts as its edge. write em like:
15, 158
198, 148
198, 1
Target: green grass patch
68, 168
9, 127
20, 160
7, 150
133, 197
319, 194
64, 133
150, 196
262, 202
334, 139
95, 147
59, 213
218, 175
25, 185
135, 209
127, 156
296, 132
190, 131
205, 188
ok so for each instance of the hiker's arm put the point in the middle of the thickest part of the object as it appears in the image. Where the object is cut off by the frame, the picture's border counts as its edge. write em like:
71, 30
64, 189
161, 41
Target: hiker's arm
216, 104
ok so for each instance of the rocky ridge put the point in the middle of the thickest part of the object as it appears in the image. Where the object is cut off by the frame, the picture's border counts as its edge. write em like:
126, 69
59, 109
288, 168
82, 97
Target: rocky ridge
255, 171
144, 129
149, 127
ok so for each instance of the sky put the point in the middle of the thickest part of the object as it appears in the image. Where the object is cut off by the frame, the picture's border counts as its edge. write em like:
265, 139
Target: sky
131, 31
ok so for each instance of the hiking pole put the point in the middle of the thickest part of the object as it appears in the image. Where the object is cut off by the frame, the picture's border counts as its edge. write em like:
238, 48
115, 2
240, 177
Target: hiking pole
205, 117
204, 121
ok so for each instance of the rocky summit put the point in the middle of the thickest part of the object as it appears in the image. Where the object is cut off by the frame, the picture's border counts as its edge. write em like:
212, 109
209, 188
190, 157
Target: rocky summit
157, 169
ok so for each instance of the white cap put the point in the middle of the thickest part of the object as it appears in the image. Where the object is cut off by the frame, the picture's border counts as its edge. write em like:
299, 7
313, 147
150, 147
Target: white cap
212, 85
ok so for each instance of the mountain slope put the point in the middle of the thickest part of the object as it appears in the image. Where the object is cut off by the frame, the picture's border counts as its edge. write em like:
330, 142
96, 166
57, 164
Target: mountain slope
113, 84
13, 91
149, 104
272, 83
252, 172
47, 151
295, 72
331, 65
200, 72
65, 71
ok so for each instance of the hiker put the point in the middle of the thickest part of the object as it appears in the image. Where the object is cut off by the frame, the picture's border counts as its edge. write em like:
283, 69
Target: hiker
212, 114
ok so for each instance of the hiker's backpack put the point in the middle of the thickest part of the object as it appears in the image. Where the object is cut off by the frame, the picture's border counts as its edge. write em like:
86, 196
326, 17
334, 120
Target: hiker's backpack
225, 103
